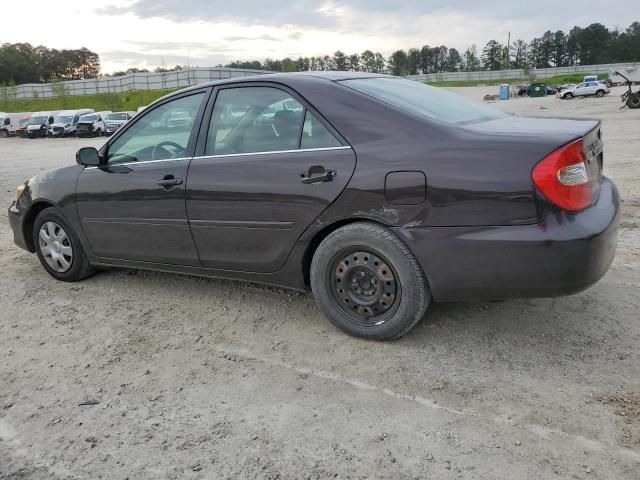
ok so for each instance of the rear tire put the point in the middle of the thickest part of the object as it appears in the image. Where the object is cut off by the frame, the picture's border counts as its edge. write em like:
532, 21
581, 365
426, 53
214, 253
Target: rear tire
58, 247
368, 283
600, 93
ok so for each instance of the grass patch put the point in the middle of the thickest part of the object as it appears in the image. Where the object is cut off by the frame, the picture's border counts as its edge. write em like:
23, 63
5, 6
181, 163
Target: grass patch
100, 102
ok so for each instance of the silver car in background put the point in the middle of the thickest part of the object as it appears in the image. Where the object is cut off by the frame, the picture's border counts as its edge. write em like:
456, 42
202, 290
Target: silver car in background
115, 120
599, 89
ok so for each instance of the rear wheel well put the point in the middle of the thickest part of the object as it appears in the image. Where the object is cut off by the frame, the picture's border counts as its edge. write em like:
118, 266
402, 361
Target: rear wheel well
317, 240
29, 219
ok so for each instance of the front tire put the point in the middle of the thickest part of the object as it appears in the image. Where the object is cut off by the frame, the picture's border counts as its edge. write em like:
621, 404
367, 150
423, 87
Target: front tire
568, 96
368, 283
58, 247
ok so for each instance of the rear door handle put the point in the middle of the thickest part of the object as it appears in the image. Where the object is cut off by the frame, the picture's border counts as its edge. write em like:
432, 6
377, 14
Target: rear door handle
317, 174
169, 181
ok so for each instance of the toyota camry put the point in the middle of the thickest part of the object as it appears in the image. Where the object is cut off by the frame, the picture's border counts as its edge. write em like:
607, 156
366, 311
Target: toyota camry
378, 193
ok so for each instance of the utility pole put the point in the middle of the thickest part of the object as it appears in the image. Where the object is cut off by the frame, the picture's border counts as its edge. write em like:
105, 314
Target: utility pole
508, 50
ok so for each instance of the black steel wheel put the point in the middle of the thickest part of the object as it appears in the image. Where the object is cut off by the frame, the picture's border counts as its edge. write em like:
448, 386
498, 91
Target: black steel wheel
365, 286
368, 283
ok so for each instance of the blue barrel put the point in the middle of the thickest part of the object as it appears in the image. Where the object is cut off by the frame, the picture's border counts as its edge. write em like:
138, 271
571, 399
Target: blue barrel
504, 91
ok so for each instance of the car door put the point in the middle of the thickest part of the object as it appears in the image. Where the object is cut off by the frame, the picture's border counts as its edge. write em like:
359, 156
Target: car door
133, 206
268, 166
581, 89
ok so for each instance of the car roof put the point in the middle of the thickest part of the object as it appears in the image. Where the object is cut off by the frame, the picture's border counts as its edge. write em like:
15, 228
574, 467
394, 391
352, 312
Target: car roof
284, 78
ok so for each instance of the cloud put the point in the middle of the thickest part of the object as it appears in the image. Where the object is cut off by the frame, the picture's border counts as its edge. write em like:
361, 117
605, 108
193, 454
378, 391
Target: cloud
268, 38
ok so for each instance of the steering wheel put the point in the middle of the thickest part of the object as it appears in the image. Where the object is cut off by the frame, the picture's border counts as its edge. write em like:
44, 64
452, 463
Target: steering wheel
159, 147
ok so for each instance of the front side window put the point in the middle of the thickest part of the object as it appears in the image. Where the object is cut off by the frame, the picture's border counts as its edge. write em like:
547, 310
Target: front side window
162, 133
423, 100
254, 119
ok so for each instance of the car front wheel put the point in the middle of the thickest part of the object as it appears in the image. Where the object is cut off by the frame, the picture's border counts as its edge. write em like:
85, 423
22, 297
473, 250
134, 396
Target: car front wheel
58, 247
368, 283
568, 96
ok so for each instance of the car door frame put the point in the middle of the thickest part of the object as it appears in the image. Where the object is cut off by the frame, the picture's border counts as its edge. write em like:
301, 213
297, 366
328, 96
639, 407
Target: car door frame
188, 154
307, 106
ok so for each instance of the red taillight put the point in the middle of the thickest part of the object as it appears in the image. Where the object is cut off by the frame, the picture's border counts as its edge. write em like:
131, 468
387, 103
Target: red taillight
564, 179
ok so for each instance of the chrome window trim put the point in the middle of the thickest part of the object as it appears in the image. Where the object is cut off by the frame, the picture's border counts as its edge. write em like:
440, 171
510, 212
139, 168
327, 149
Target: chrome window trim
203, 157
139, 163
274, 152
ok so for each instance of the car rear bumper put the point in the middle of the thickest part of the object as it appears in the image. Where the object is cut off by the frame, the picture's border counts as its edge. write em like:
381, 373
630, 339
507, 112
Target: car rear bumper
564, 254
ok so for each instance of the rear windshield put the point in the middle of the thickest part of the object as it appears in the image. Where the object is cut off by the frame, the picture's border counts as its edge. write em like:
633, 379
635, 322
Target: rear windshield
424, 100
88, 118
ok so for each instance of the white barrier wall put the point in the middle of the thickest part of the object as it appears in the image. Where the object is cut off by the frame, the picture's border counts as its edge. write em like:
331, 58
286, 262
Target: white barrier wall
536, 73
126, 83
194, 76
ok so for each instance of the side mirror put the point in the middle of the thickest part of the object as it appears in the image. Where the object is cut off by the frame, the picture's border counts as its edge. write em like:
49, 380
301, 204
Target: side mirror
88, 156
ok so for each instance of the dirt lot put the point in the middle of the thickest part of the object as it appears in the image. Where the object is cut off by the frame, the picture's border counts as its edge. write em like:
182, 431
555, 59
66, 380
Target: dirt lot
199, 378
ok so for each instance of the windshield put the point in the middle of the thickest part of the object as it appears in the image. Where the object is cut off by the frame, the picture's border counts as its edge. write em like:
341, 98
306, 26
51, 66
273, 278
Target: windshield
63, 119
424, 100
117, 116
37, 121
88, 118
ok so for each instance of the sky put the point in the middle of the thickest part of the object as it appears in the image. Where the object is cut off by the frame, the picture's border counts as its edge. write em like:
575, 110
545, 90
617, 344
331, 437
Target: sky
151, 33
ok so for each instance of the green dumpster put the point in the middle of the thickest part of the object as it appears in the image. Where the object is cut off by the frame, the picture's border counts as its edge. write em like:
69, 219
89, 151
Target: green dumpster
538, 90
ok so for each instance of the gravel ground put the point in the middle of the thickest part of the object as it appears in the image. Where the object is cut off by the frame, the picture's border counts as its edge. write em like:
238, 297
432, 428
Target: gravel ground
195, 378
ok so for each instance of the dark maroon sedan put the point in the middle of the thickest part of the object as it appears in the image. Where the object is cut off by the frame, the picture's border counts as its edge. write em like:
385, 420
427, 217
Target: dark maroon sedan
379, 193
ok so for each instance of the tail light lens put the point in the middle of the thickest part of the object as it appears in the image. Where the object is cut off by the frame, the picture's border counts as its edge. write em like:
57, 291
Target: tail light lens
564, 178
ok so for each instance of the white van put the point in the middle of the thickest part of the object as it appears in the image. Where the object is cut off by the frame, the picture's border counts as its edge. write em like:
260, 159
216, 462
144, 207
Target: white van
9, 122
65, 122
38, 124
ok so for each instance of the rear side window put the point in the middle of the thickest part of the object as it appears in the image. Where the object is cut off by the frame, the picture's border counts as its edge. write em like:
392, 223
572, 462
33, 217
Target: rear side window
423, 100
316, 135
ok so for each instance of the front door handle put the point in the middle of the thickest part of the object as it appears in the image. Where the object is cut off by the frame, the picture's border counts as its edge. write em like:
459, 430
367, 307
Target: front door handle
169, 181
317, 174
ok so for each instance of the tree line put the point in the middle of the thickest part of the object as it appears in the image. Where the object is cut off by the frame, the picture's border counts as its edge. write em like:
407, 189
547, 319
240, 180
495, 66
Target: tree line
595, 44
24, 63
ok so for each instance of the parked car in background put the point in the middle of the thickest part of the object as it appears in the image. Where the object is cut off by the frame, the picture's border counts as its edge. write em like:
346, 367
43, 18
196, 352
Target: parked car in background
114, 120
567, 86
376, 192
9, 122
65, 122
21, 128
38, 124
585, 89
91, 125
